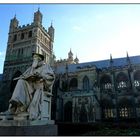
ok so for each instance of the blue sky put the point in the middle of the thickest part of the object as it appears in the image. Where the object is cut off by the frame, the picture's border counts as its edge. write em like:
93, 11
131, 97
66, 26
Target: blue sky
92, 31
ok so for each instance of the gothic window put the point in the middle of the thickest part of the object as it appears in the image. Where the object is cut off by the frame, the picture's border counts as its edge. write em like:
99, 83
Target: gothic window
86, 84
15, 37
121, 80
122, 84
136, 83
108, 112
22, 35
137, 78
107, 108
73, 83
30, 34
108, 86
125, 112
105, 82
126, 108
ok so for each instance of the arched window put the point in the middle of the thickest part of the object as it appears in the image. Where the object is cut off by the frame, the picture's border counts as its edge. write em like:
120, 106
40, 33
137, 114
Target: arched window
137, 78
107, 108
30, 34
15, 37
105, 82
86, 84
73, 83
22, 35
126, 109
121, 80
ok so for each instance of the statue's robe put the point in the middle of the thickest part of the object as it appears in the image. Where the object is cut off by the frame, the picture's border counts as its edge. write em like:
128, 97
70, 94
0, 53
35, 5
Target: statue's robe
29, 91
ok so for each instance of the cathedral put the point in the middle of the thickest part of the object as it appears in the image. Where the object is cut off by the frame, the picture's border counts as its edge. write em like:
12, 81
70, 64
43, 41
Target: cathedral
107, 90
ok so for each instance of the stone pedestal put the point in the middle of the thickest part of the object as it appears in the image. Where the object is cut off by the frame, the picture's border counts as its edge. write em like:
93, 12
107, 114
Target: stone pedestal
27, 128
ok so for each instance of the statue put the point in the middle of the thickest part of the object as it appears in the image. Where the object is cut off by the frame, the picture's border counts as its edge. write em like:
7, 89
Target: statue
32, 89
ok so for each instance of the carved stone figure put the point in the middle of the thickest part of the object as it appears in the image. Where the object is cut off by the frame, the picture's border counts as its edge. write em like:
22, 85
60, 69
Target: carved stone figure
31, 91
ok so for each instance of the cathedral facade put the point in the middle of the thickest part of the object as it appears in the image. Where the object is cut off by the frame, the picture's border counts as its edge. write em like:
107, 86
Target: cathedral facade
107, 90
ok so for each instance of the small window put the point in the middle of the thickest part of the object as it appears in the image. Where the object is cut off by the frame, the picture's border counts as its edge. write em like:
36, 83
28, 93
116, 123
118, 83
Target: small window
22, 35
125, 112
108, 86
15, 37
136, 83
86, 84
109, 113
122, 84
30, 34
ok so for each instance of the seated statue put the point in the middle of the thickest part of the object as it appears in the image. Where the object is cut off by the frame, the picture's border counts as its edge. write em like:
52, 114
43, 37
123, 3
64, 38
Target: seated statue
29, 91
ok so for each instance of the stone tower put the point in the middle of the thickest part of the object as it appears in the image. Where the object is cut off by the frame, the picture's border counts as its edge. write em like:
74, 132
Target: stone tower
23, 41
70, 57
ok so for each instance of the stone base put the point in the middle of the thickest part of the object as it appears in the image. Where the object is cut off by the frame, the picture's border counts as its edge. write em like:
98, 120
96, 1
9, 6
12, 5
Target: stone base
27, 128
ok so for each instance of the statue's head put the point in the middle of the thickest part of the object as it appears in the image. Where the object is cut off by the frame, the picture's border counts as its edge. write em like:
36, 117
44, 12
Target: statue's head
38, 59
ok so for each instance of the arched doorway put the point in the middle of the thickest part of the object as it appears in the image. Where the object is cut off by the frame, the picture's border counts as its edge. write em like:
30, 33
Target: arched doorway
14, 82
68, 112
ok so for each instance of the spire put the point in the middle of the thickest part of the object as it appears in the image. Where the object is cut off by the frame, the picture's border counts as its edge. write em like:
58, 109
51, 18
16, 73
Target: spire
70, 57
127, 58
76, 60
70, 53
13, 24
66, 68
15, 16
38, 17
51, 31
111, 60
38, 8
127, 54
51, 24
